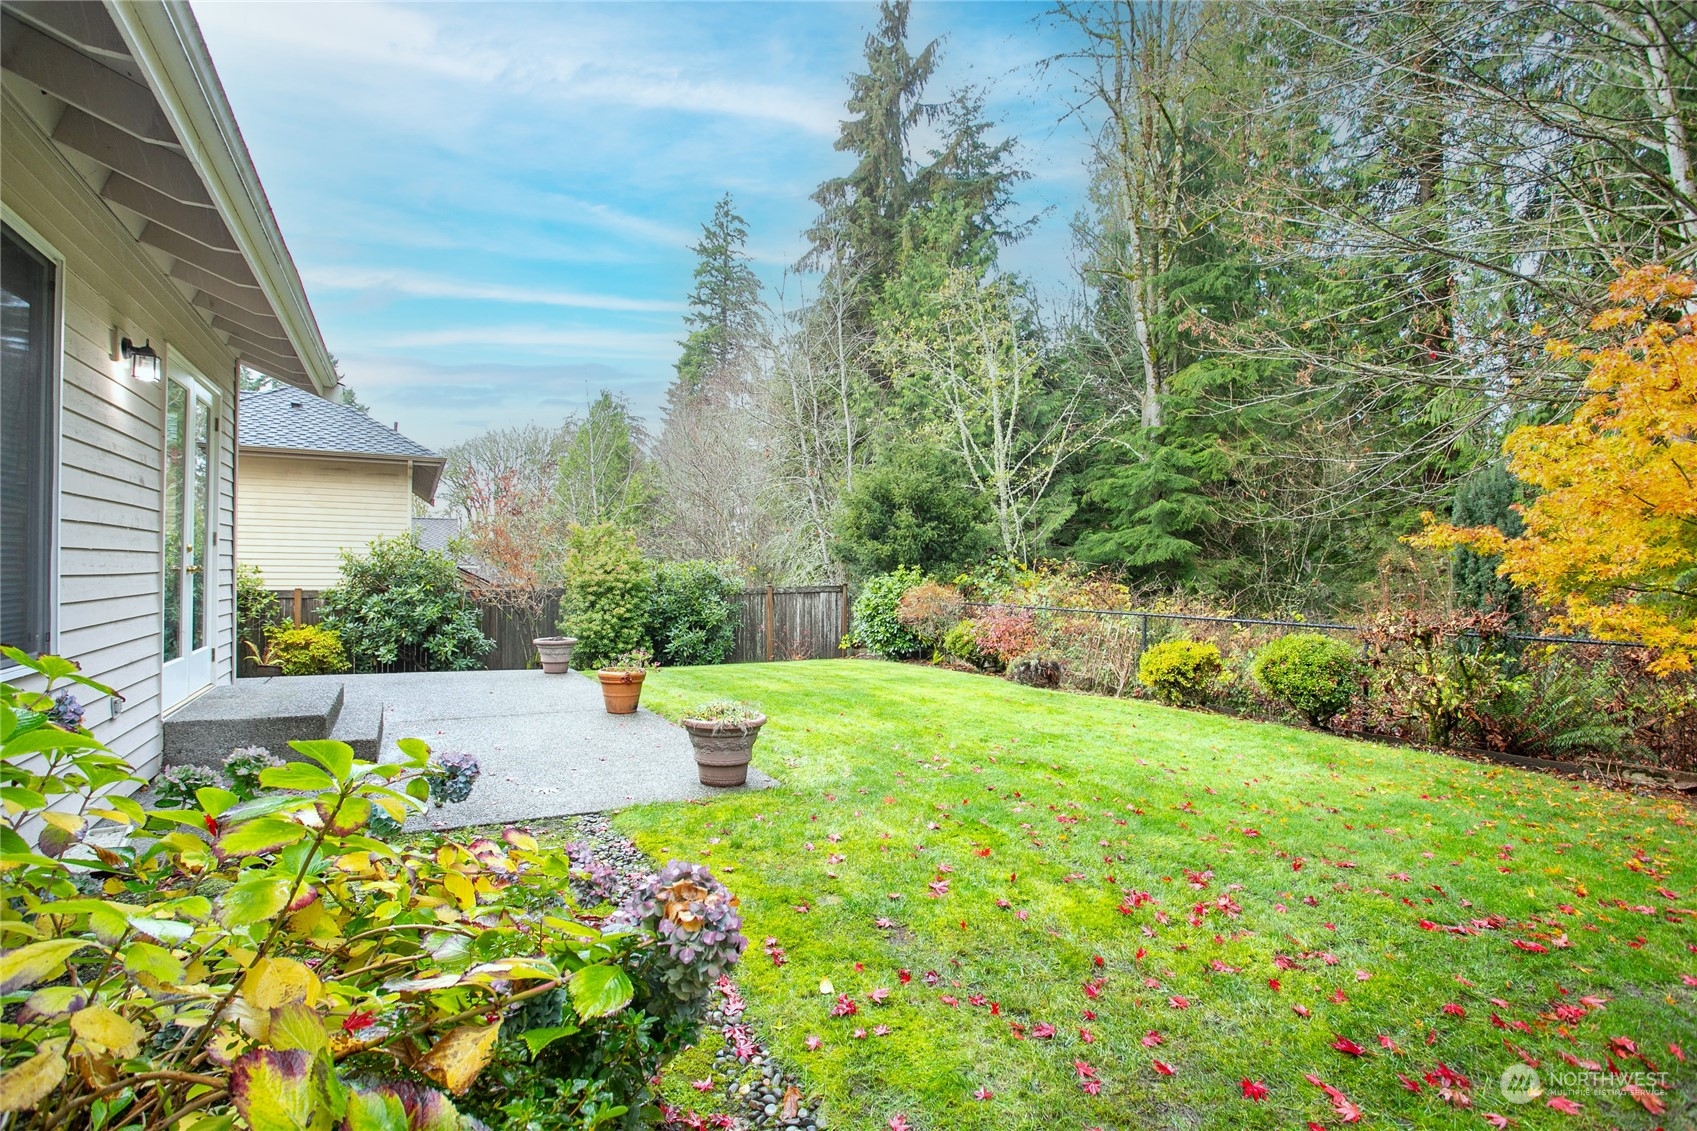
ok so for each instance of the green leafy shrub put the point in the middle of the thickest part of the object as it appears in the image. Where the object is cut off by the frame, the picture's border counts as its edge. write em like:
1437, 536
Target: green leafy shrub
961, 643
875, 622
1552, 708
305, 649
911, 508
1313, 674
1181, 673
607, 591
693, 613
929, 610
176, 787
401, 607
271, 965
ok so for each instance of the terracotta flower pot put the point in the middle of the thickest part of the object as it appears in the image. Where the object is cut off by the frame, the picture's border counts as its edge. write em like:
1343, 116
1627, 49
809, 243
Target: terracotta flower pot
621, 691
556, 653
722, 750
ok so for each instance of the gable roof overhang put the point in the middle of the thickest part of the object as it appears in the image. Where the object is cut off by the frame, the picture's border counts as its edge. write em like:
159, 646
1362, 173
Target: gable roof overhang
129, 94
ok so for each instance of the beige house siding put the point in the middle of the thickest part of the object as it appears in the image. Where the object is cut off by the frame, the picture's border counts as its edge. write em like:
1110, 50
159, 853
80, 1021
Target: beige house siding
109, 600
296, 514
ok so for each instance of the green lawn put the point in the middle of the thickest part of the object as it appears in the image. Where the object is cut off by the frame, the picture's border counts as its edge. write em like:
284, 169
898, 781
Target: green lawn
937, 821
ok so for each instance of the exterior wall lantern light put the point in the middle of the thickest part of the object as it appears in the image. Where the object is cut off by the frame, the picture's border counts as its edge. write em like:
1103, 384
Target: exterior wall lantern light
143, 359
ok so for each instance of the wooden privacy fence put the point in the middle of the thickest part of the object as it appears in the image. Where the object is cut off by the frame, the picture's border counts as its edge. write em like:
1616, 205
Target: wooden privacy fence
806, 622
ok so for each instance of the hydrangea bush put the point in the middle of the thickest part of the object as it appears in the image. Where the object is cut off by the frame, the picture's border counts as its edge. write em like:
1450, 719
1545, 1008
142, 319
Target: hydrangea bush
243, 767
270, 964
697, 924
451, 776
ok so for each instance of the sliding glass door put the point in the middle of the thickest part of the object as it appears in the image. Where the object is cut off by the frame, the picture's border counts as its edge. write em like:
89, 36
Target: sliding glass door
190, 521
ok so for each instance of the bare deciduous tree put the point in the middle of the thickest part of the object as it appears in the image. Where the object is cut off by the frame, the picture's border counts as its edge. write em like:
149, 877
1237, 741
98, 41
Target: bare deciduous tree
1012, 422
814, 407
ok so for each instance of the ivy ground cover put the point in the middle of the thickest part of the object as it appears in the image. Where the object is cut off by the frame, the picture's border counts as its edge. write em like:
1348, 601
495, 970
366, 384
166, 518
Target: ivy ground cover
977, 905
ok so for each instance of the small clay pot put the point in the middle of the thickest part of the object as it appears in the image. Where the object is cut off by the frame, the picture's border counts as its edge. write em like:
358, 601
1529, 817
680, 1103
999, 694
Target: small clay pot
621, 690
723, 750
555, 653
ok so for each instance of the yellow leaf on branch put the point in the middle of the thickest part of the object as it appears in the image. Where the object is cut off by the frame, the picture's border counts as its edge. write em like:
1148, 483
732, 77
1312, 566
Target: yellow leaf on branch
456, 1059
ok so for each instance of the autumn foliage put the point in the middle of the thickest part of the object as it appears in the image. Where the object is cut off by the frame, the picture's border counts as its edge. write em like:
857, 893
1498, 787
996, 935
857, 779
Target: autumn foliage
1611, 538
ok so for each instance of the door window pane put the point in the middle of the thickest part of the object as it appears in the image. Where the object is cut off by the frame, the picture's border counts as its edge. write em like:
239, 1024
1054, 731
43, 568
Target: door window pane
176, 484
27, 452
200, 554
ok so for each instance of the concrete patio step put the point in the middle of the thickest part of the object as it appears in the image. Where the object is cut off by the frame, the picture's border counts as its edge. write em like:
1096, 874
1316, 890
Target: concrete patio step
260, 712
360, 725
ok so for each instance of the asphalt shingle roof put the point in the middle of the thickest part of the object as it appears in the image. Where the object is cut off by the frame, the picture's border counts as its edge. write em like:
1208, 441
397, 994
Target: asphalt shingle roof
291, 420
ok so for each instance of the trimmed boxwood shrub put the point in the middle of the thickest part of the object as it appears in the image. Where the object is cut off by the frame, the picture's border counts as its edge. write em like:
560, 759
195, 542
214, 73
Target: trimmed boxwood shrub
961, 643
693, 614
1311, 673
1181, 673
876, 624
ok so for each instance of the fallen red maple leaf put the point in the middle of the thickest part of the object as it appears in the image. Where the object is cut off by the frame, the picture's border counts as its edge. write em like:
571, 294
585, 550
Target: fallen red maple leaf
1254, 1090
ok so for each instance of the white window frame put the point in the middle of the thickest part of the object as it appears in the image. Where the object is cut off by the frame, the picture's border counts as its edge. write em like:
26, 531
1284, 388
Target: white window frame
49, 251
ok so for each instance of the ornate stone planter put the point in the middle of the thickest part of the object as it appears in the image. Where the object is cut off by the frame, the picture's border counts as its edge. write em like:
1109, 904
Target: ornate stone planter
555, 653
723, 750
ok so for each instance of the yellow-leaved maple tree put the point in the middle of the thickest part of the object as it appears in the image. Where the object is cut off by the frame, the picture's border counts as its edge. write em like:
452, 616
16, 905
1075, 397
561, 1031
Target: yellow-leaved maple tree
1611, 538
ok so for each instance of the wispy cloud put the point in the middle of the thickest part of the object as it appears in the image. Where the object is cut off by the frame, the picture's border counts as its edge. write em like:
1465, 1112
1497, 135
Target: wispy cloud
623, 342
426, 286
492, 204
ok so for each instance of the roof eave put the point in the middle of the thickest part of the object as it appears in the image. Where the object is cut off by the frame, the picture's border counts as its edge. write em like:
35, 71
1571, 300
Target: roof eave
437, 462
167, 45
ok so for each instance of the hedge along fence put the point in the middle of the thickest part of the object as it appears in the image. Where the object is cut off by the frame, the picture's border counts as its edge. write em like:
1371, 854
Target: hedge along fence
806, 622
1101, 647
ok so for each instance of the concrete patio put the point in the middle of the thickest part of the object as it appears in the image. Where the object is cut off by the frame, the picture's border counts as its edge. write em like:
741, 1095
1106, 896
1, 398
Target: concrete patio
546, 743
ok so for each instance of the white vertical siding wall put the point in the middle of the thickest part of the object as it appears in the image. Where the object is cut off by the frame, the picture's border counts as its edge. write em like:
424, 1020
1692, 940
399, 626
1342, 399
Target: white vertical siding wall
110, 607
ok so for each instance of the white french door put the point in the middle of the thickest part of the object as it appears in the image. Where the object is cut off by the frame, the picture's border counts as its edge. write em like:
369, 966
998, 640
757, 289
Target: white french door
190, 518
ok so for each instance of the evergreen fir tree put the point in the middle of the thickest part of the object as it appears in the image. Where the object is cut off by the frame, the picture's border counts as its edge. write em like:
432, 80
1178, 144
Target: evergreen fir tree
723, 306
1486, 499
861, 214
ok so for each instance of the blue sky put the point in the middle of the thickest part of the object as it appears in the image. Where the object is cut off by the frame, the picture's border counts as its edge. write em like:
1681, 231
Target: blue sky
491, 205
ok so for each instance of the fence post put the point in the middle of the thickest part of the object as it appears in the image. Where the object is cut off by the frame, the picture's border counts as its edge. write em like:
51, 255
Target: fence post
843, 607
771, 624
297, 605
1145, 647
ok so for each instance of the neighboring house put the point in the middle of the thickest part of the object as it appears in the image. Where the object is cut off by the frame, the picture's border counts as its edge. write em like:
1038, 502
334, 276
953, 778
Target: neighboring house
319, 478
133, 217
438, 534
